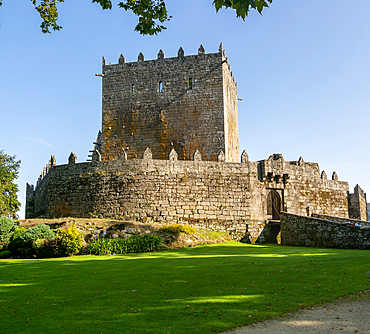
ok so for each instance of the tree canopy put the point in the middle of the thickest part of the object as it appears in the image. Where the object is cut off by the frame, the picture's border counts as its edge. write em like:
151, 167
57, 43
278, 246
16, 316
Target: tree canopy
152, 14
9, 169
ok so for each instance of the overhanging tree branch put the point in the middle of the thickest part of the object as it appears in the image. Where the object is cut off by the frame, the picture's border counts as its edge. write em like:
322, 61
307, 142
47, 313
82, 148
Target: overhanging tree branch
151, 13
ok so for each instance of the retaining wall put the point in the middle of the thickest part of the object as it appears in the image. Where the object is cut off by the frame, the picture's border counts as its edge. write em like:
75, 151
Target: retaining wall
315, 232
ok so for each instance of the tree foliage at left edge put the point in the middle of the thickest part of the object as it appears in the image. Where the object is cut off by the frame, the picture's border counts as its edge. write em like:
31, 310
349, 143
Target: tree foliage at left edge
151, 13
9, 169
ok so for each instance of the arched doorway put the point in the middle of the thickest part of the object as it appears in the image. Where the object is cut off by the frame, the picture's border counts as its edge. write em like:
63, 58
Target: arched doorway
274, 204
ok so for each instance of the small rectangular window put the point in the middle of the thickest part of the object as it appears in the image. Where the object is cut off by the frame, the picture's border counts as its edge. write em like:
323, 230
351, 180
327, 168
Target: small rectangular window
190, 83
133, 90
160, 87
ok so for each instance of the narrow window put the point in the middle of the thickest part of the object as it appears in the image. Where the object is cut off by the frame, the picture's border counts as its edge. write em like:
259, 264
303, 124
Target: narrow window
133, 89
190, 83
160, 87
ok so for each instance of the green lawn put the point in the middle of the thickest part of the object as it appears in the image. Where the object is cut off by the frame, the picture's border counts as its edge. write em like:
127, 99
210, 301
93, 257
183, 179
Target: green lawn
195, 290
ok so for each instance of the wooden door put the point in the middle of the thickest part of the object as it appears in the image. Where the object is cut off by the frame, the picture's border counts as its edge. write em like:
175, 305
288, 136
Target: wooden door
274, 204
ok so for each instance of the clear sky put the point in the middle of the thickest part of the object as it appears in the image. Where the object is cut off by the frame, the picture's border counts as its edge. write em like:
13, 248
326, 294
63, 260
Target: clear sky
302, 68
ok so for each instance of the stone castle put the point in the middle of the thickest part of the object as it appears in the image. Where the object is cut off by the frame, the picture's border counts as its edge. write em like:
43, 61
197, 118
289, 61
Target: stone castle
168, 151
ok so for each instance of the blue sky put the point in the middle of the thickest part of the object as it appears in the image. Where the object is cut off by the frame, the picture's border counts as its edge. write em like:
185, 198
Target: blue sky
303, 72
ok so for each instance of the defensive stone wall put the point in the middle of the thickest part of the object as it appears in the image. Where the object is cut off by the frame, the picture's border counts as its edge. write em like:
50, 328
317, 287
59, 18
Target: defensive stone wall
315, 232
208, 194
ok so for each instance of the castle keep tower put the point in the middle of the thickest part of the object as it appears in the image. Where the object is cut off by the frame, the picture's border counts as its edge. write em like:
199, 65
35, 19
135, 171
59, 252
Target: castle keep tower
186, 103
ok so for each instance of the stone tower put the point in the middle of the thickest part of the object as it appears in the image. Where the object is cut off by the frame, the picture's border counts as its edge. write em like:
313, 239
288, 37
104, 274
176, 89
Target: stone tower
186, 103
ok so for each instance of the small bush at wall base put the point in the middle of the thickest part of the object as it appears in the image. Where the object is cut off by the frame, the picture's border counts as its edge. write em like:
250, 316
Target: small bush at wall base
38, 245
18, 232
46, 248
15, 243
71, 240
134, 244
177, 228
27, 239
5, 254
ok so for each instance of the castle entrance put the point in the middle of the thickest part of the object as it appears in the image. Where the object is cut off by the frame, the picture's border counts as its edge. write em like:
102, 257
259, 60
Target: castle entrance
273, 204
274, 201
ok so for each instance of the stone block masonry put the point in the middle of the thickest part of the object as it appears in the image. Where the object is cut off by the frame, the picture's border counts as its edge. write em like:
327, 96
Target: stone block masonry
186, 103
315, 232
341, 219
357, 204
209, 194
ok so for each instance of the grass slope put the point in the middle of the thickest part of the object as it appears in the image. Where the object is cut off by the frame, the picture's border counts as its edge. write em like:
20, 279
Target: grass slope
203, 289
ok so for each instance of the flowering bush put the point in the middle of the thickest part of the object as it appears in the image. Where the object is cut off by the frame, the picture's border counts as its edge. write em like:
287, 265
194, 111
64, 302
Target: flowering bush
71, 240
177, 228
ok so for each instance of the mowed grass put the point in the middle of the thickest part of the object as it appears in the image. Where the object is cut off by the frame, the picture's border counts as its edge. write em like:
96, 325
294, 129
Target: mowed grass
196, 290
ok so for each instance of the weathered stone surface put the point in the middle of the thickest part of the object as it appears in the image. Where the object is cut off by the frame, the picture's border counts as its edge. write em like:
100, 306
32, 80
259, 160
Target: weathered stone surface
122, 155
173, 155
207, 194
315, 232
341, 219
160, 54
72, 159
221, 157
96, 156
121, 59
357, 204
244, 157
197, 156
151, 104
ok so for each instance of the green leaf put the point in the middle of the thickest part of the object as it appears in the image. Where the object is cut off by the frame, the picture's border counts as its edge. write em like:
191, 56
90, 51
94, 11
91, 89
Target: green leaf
105, 4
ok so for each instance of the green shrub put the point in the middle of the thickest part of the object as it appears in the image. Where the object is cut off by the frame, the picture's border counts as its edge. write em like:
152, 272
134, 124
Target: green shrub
40, 231
71, 240
37, 245
7, 228
177, 228
5, 254
52, 248
133, 244
46, 248
15, 241
18, 232
27, 239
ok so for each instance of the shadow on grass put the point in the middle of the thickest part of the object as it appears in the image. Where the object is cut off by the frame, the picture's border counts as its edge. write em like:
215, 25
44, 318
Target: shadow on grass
213, 287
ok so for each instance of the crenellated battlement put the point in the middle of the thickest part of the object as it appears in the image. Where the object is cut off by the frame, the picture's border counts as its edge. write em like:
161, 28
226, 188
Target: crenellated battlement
273, 171
181, 57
